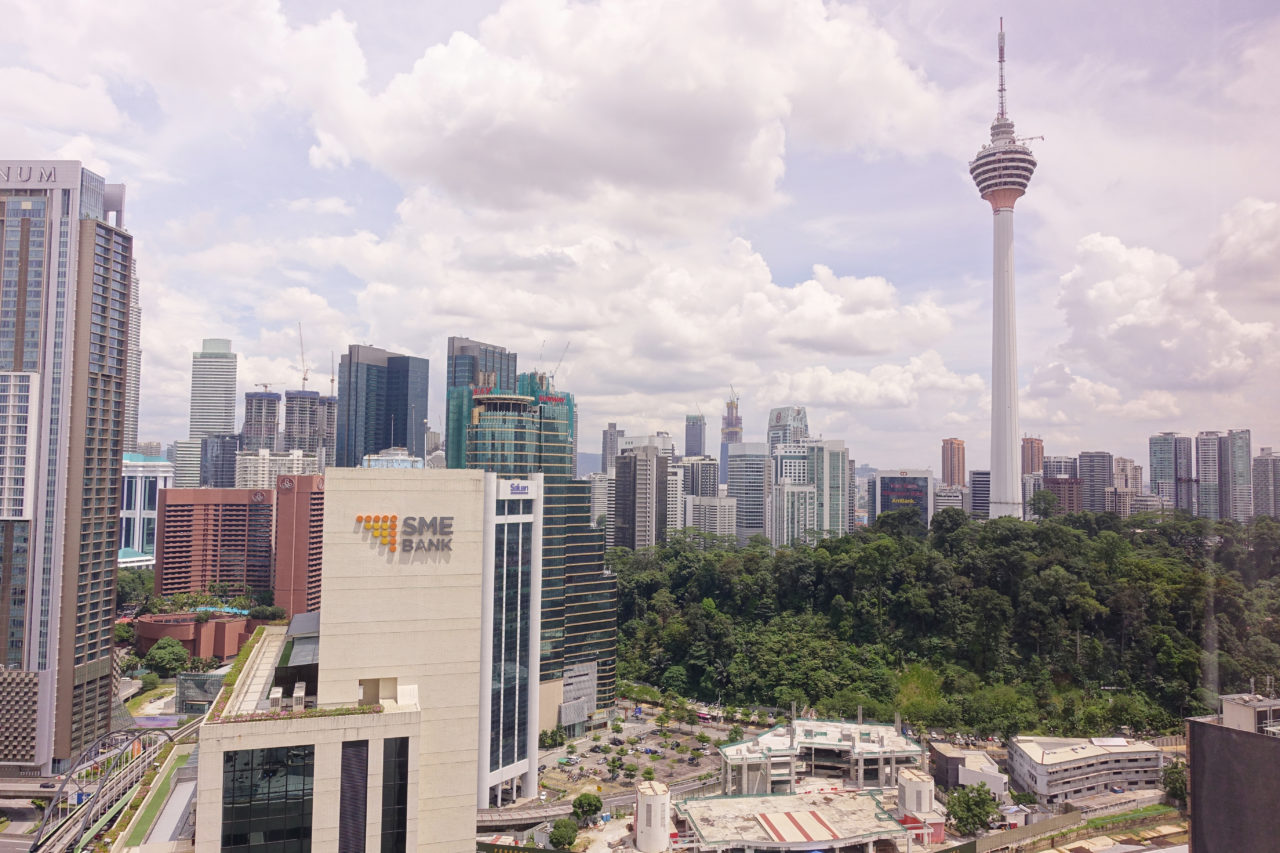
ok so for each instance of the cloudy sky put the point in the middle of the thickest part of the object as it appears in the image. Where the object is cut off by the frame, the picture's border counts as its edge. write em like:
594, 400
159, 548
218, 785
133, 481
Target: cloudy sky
690, 194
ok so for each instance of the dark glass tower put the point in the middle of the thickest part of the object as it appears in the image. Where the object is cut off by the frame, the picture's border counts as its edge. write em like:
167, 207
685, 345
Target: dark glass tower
531, 431
382, 402
480, 364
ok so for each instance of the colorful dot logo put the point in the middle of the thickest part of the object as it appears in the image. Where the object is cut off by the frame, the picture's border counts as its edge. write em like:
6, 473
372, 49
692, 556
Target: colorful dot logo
382, 529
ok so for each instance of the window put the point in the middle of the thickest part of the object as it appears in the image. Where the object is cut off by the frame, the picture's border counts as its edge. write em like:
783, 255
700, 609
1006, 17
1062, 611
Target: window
267, 798
354, 796
395, 793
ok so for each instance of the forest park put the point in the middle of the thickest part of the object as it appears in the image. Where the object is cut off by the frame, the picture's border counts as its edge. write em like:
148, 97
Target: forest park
1077, 625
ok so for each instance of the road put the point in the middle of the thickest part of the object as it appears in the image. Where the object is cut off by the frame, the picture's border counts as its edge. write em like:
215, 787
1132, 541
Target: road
15, 843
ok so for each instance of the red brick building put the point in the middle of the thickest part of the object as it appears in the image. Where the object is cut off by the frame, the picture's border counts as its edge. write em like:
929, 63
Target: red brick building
219, 636
299, 528
214, 536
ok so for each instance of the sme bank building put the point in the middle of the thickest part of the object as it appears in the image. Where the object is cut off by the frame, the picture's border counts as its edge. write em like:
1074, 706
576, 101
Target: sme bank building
411, 698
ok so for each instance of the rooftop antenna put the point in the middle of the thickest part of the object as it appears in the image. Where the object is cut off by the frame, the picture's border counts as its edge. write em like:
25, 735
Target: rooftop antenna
1000, 38
333, 376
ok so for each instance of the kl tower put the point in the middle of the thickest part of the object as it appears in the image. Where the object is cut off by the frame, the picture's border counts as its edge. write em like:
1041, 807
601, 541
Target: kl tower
1002, 171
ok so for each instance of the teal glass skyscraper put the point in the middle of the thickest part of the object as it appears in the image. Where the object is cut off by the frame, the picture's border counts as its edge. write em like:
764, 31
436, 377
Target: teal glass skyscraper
519, 433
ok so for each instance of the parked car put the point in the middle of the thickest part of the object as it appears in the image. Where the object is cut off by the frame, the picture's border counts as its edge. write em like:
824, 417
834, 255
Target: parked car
602, 760
1116, 789
48, 785
597, 748
616, 741
541, 767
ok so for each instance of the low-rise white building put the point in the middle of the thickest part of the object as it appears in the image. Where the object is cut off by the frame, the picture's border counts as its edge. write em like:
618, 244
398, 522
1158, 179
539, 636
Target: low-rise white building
868, 755
258, 469
1057, 769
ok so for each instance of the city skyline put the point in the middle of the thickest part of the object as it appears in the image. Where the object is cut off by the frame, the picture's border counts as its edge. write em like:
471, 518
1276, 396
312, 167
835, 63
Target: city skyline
810, 216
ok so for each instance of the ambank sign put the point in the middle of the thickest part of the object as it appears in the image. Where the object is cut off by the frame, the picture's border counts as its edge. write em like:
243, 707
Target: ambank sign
414, 536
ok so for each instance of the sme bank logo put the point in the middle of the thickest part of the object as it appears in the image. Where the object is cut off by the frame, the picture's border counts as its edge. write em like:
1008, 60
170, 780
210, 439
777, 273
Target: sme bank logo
415, 535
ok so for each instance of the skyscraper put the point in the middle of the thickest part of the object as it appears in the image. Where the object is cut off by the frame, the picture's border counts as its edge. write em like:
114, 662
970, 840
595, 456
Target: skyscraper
480, 364
695, 435
133, 375
303, 421
1208, 495
809, 491
299, 534
1266, 483
980, 495
218, 461
213, 406
261, 420
731, 433
1032, 455
1236, 476
786, 424
702, 476
64, 343
382, 402
640, 520
890, 491
518, 434
1173, 470
1061, 466
953, 462
1097, 474
1002, 171
749, 467
610, 439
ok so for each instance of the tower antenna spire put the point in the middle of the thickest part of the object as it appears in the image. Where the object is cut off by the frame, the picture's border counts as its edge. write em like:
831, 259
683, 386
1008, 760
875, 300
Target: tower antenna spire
1000, 41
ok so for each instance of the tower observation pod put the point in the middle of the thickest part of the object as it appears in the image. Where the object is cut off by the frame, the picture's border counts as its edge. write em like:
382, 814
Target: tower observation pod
1002, 171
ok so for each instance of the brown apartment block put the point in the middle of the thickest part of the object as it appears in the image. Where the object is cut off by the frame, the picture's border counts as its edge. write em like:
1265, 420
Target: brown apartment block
299, 529
213, 536
1032, 455
953, 468
1069, 491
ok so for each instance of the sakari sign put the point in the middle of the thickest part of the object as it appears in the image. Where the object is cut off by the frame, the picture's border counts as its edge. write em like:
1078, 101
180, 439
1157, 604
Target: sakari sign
414, 535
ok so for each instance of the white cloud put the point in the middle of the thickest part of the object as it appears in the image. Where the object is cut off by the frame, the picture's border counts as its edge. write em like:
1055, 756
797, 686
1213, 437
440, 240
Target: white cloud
1138, 314
328, 205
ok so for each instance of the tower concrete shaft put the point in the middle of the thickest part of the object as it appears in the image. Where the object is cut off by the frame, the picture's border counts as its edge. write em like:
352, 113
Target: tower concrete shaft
1002, 171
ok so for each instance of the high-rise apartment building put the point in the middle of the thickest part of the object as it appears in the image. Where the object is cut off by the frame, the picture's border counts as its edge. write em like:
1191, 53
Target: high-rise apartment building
1061, 466
299, 543
793, 513
980, 495
1266, 483
1173, 470
1031, 483
953, 467
787, 424
1069, 491
303, 421
1128, 474
213, 537
1097, 474
133, 369
661, 440
382, 402
1002, 170
702, 476
695, 435
610, 439
64, 342
472, 363
640, 483
1032, 455
731, 433
1208, 471
714, 515
260, 470
1235, 476
675, 499
527, 432
213, 406
261, 420
749, 469
822, 465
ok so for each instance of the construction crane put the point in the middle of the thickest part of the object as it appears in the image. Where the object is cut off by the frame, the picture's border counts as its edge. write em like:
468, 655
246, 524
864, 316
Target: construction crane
333, 376
302, 350
265, 386
561, 361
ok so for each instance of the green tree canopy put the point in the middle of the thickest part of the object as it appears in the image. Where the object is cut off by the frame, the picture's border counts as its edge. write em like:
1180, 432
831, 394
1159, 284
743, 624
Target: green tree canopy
563, 833
586, 806
971, 808
167, 657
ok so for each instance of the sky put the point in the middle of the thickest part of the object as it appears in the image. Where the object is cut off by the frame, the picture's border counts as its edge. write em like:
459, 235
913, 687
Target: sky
663, 199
